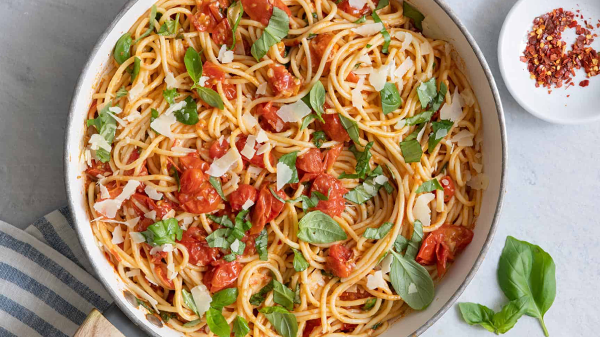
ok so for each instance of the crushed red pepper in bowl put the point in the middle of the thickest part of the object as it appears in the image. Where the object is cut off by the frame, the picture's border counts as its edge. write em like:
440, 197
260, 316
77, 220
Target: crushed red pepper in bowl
546, 55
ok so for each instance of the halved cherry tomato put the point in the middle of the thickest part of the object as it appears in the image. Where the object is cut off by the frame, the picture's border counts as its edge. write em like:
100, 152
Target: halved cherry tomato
310, 326
352, 77
162, 207
269, 120
310, 162
114, 190
261, 10
192, 160
258, 159
326, 184
317, 47
205, 200
333, 128
215, 75
143, 224
194, 239
222, 33
267, 208
222, 276
208, 14
356, 295
348, 327
332, 156
99, 168
448, 186
346, 7
250, 241
283, 83
218, 149
442, 244
133, 157
340, 261
191, 180
160, 270
238, 198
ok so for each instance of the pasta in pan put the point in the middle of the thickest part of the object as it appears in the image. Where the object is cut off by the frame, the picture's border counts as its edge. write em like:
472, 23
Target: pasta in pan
272, 167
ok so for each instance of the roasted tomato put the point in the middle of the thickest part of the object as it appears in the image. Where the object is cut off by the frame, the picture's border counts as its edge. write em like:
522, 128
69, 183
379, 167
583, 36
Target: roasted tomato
442, 244
133, 157
332, 156
98, 168
191, 180
267, 208
310, 162
327, 184
269, 120
216, 75
333, 128
222, 276
310, 326
448, 185
340, 260
352, 77
218, 149
345, 6
317, 46
143, 224
261, 10
194, 239
209, 14
204, 200
356, 295
162, 207
238, 198
222, 33
258, 159
192, 160
160, 270
114, 190
283, 83
250, 241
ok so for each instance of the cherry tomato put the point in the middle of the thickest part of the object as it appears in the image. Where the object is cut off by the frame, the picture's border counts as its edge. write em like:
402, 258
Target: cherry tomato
250, 241
283, 83
99, 168
114, 190
160, 270
326, 184
340, 261
222, 33
157, 257
357, 295
442, 244
333, 128
317, 47
205, 200
345, 6
269, 120
218, 149
216, 75
239, 197
332, 156
258, 159
267, 208
162, 207
133, 157
261, 10
352, 77
222, 276
191, 180
310, 326
194, 239
310, 162
209, 14
143, 224
192, 160
448, 186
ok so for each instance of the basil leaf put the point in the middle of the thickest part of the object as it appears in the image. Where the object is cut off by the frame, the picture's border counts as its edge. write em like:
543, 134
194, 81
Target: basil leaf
240, 325
386, 36
318, 138
368, 189
122, 47
166, 316
193, 64
297, 299
390, 98
189, 113
121, 93
106, 126
192, 323
261, 243
401, 243
169, 95
277, 29
439, 98
362, 160
145, 305
526, 270
167, 28
216, 183
420, 118
411, 151
510, 314
151, 21
218, 238
413, 13
439, 130
260, 296
283, 321
474, 313
163, 232
317, 99
361, 19
318, 227
381, 4
415, 133
222, 220
412, 282
136, 68
378, 233
300, 263
429, 186
376, 326
307, 120
497, 323
283, 295
224, 298
426, 92
369, 304
415, 242
211, 97
233, 9
175, 175
188, 300
217, 323
351, 127
289, 160
153, 115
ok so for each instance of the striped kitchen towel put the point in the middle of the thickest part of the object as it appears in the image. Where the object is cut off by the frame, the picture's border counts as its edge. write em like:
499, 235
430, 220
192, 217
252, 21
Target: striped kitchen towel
47, 286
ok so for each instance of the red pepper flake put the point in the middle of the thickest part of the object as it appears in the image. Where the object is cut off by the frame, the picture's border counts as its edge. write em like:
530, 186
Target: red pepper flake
584, 83
545, 53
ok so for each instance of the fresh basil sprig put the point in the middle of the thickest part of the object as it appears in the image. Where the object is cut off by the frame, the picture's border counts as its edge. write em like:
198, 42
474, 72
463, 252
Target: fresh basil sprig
429, 186
163, 232
193, 65
411, 281
283, 295
216, 183
317, 99
189, 113
283, 321
390, 98
122, 48
439, 130
351, 127
378, 233
300, 263
386, 36
318, 227
240, 327
411, 12
496, 322
277, 29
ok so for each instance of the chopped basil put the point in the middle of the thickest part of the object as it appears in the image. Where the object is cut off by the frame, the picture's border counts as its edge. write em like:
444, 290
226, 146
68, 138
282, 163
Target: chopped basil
361, 19
163, 232
240, 327
217, 323
300, 263
415, 242
427, 91
121, 93
307, 202
189, 113
400, 243
429, 186
363, 160
318, 138
381, 4
386, 36
260, 296
317, 99
192, 323
378, 233
439, 130
188, 300
283, 321
166, 316
370, 303
439, 98
153, 115
411, 12
235, 8
289, 160
169, 27
224, 298
369, 45
390, 98
368, 189
175, 175
218, 238
283, 295
311, 36
222, 220
216, 183
193, 64
151, 22
145, 305
411, 151
136, 68
169, 95
106, 126
376, 326
277, 29
411, 281
318, 227
297, 299
351, 127
122, 47
261, 243
419, 118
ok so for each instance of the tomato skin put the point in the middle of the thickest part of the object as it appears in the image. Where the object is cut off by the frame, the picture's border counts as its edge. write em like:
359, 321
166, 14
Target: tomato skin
333, 128
218, 149
310, 162
340, 261
266, 208
332, 155
448, 186
192, 160
310, 326
191, 180
325, 184
351, 296
239, 197
205, 200
257, 160
162, 207
317, 47
216, 75
222, 33
194, 239
352, 77
222, 276
98, 168
133, 157
345, 6
250, 241
283, 83
269, 120
208, 14
261, 10
143, 224
442, 244
160, 270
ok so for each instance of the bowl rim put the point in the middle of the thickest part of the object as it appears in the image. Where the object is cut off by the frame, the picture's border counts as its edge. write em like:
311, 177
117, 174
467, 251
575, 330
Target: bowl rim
470, 275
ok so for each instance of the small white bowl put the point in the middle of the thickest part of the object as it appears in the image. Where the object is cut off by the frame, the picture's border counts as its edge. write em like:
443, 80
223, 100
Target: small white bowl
573, 105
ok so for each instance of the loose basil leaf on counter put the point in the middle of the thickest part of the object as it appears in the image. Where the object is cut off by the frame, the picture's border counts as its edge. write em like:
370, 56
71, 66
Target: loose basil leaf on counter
283, 295
283, 321
381, 4
361, 19
189, 113
420, 118
439, 130
217, 323
211, 97
216, 183
235, 8
351, 127
411, 281
136, 68
318, 227
526, 270
151, 22
439, 98
318, 138
121, 93
411, 151
277, 29
169, 95
411, 12
415, 242
188, 300
260, 296
163, 232
224, 298
369, 304
386, 36
317, 99
300, 263
429, 186
496, 322
175, 174
378, 233
427, 91
193, 64
390, 98
192, 323
240, 327
289, 160
122, 47
261, 245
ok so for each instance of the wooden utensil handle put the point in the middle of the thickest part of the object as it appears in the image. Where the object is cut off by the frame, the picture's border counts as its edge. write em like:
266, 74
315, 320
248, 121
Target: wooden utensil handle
96, 325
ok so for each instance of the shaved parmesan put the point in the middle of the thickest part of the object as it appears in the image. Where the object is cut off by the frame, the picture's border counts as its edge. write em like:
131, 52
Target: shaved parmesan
133, 115
412, 288
220, 166
368, 29
421, 210
247, 204
403, 68
401, 123
203, 80
235, 245
358, 4
278, 125
147, 297
316, 280
87, 155
132, 222
98, 142
136, 91
479, 182
132, 273
293, 112
379, 76
463, 138
357, 98
262, 88
248, 151
365, 59
420, 134
182, 149
406, 38
201, 298
137, 237
452, 111
152, 193
363, 71
186, 221
110, 207
117, 235
386, 264
171, 81
376, 281
225, 56
171, 271
175, 107
380, 179
150, 215
235, 179
104, 192
115, 109
426, 48
128, 190
163, 124
249, 120
468, 97
284, 175
254, 171
478, 167
261, 137
167, 248
352, 289
370, 189
170, 214
119, 120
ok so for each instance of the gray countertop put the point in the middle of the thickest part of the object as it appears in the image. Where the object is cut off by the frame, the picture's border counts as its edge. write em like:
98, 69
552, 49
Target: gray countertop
553, 176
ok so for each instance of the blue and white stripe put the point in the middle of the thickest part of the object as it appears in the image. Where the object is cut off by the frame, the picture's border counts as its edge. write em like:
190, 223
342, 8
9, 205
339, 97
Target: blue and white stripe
47, 287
